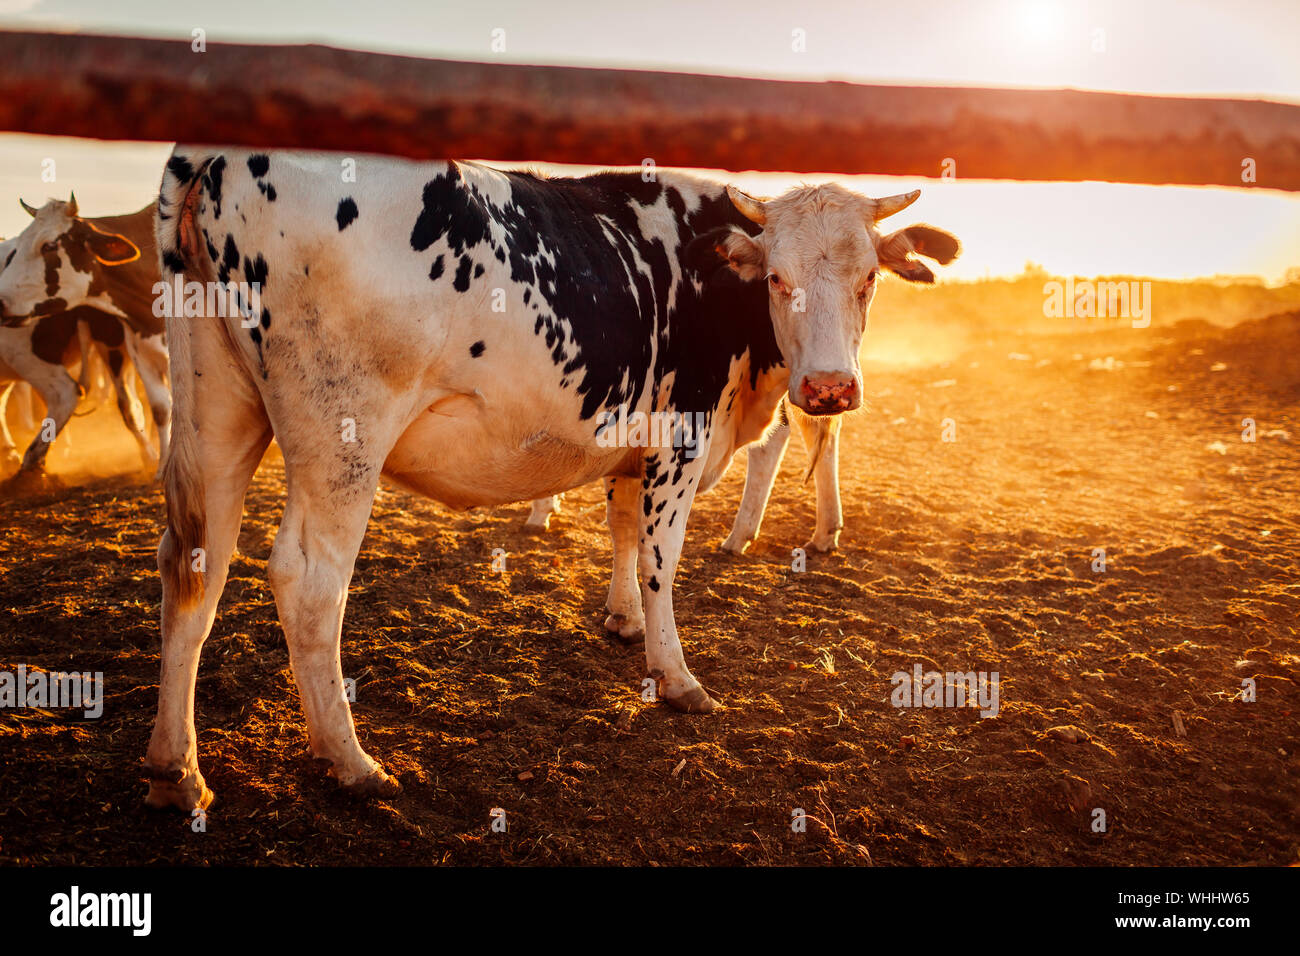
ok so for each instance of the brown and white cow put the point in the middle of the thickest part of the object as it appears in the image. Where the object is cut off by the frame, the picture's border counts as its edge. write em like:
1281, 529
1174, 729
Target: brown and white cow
102, 271
44, 355
480, 337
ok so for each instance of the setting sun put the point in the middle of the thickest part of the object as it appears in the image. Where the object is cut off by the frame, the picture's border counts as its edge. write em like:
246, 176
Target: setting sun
1038, 22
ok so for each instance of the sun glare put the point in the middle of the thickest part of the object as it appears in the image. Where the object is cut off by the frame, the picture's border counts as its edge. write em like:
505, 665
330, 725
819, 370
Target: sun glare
1038, 22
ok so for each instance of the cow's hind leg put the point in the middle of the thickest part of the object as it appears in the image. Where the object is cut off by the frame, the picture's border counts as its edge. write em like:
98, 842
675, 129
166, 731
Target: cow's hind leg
8, 450
330, 497
150, 358
821, 438
539, 519
128, 405
86, 342
626, 619
26, 402
229, 434
762, 462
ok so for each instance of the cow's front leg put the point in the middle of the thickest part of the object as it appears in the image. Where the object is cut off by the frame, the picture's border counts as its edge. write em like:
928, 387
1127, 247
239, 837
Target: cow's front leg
60, 394
626, 619
821, 438
667, 490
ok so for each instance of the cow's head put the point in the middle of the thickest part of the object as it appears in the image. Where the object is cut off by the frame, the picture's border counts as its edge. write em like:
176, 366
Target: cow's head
820, 254
53, 263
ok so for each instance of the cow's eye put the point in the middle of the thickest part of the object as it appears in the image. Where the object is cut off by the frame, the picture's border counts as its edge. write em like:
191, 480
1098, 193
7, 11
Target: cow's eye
868, 285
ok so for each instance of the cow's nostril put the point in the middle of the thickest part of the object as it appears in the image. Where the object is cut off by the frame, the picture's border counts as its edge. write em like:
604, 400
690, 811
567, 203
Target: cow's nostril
829, 387
830, 393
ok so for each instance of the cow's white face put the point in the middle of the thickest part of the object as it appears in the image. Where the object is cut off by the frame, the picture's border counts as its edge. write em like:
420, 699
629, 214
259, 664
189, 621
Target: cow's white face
52, 264
821, 255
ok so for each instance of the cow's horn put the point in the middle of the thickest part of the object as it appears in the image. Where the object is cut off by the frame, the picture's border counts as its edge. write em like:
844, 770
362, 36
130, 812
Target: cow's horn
892, 204
72, 205
30, 210
751, 208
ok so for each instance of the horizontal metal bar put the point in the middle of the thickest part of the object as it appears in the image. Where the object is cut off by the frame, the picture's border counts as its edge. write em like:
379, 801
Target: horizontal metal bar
316, 97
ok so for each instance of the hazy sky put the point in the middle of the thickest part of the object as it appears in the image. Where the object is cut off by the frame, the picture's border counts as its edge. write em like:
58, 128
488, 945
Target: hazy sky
1244, 48
1167, 46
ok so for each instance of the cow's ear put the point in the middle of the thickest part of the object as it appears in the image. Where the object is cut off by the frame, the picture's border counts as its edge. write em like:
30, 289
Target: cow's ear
741, 253
726, 246
701, 252
897, 248
110, 248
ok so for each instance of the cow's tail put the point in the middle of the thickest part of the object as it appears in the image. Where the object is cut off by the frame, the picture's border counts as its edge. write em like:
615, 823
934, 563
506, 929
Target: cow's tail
821, 427
178, 250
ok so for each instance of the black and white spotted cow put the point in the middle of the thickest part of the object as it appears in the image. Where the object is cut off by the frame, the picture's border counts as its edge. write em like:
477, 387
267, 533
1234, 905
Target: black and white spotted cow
468, 332
67, 280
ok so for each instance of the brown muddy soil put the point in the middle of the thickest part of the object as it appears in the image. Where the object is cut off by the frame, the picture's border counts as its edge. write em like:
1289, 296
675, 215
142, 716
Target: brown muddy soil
482, 690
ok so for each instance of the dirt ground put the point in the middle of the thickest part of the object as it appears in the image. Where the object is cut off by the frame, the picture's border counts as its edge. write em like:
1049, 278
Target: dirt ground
482, 690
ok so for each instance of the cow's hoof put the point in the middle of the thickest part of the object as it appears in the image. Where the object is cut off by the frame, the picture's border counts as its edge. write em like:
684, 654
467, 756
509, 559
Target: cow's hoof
694, 701
735, 545
537, 527
379, 785
174, 789
823, 545
627, 631
30, 482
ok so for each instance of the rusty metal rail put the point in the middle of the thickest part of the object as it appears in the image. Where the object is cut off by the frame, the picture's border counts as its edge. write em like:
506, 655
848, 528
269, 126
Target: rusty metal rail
316, 97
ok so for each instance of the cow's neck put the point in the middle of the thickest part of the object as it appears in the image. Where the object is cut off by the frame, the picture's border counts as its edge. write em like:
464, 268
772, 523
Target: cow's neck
129, 288
736, 315
722, 327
